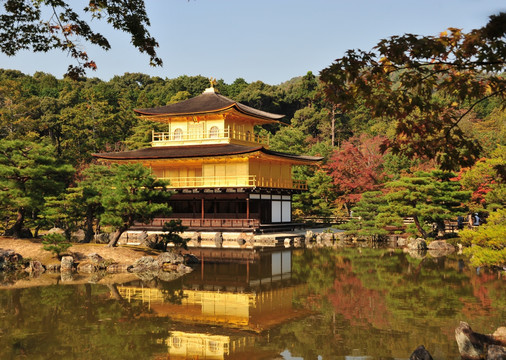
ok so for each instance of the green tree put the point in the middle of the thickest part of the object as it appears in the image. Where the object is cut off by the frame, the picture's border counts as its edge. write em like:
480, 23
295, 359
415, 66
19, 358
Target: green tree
23, 27
55, 243
426, 85
131, 194
29, 172
426, 197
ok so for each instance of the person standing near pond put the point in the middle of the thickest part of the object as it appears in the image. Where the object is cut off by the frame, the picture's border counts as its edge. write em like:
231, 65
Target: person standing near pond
476, 220
460, 222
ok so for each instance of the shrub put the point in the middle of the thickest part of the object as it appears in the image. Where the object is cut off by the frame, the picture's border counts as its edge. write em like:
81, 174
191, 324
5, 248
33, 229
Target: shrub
56, 243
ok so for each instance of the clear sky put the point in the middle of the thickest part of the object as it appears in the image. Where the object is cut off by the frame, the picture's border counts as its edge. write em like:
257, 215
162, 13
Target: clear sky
268, 40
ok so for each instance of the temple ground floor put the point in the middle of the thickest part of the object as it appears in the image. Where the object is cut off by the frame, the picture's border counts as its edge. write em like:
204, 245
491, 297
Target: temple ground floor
230, 210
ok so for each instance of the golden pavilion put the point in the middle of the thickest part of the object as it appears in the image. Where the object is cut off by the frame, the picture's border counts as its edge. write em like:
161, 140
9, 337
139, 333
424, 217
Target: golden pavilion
223, 176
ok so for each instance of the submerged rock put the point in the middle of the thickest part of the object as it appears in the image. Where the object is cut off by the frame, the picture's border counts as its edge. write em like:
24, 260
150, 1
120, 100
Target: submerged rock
416, 244
67, 263
35, 267
440, 248
472, 345
420, 353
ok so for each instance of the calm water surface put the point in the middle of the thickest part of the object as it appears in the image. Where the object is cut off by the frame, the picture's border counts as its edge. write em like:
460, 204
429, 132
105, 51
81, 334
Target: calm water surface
301, 304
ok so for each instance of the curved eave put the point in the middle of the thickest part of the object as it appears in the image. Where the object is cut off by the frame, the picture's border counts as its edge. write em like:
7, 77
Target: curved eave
243, 109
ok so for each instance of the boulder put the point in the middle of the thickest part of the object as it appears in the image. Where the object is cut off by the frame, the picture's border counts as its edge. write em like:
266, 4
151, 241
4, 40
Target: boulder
496, 352
102, 238
218, 239
56, 230
53, 267
500, 335
327, 237
472, 345
169, 257
242, 239
402, 242
66, 276
309, 236
117, 268
86, 267
78, 236
440, 248
416, 244
9, 260
35, 267
67, 263
420, 353
144, 264
97, 260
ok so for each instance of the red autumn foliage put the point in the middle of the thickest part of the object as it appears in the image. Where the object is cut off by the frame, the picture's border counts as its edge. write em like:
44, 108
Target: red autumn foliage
357, 167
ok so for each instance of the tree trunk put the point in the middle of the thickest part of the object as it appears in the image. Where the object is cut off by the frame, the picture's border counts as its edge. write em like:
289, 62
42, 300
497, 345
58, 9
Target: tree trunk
89, 233
117, 235
18, 225
419, 227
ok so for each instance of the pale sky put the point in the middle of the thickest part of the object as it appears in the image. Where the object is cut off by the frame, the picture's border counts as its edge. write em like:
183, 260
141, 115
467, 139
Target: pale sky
268, 40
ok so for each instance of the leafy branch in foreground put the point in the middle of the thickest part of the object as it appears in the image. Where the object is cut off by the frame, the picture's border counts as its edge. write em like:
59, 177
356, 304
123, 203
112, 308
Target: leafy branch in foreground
427, 85
23, 27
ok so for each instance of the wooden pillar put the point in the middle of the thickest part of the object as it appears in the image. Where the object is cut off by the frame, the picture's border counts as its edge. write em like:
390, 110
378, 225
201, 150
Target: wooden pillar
247, 208
202, 215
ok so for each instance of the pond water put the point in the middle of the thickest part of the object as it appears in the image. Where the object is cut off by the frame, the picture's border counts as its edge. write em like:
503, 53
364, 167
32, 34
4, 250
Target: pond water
287, 304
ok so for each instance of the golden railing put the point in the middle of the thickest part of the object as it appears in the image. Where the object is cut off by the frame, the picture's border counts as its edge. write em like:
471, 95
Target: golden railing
158, 137
234, 181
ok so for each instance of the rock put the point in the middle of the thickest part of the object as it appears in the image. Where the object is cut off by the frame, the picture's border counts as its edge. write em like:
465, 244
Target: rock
415, 253
53, 267
78, 236
117, 268
102, 238
67, 263
169, 257
56, 230
496, 352
472, 345
318, 239
86, 267
402, 242
327, 237
9, 260
144, 264
440, 248
309, 236
417, 244
66, 276
97, 260
420, 353
218, 239
288, 242
500, 335
35, 267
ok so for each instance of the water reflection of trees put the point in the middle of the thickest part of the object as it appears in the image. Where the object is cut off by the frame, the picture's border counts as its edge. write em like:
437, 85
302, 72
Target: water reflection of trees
388, 302
76, 322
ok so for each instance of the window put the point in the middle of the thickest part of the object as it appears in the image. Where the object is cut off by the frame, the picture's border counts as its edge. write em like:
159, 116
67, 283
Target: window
214, 132
178, 134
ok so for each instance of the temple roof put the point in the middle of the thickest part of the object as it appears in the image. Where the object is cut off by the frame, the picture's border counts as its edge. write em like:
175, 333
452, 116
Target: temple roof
197, 151
208, 102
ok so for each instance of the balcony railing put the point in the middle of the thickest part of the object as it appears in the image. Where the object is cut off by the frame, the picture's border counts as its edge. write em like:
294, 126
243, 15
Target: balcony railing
233, 181
201, 137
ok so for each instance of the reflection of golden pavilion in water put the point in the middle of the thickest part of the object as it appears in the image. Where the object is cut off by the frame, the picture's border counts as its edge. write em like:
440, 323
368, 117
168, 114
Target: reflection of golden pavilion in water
256, 300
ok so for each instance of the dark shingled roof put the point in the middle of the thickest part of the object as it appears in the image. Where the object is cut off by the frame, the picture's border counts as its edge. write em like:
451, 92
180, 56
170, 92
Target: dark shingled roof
195, 151
205, 103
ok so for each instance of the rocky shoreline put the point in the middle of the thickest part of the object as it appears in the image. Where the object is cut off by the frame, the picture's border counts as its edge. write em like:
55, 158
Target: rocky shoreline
166, 266
472, 345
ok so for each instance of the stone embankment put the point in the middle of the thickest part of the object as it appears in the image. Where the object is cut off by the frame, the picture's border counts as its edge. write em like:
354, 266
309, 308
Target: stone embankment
472, 345
166, 266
